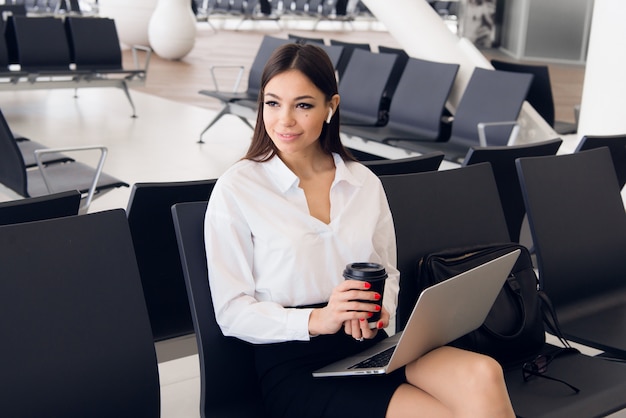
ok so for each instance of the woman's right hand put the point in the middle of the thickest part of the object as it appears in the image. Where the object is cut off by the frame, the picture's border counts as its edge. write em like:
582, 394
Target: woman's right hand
345, 304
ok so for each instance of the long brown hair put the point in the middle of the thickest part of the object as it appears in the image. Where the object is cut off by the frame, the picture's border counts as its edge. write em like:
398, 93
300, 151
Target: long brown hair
314, 63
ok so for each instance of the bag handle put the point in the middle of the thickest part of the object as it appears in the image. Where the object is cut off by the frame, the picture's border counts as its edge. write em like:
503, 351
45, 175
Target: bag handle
515, 287
550, 318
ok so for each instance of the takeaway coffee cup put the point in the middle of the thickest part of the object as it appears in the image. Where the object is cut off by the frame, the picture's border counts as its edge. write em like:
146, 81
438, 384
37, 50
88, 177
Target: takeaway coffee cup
374, 274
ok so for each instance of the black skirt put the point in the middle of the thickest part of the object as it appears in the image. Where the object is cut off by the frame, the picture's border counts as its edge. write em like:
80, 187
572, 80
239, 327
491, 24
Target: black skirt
290, 391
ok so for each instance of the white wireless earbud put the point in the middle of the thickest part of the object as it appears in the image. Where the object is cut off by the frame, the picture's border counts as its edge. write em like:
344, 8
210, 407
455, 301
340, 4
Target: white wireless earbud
330, 115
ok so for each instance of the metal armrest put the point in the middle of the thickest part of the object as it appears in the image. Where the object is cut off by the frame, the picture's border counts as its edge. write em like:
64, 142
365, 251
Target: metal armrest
220, 67
482, 136
92, 189
146, 62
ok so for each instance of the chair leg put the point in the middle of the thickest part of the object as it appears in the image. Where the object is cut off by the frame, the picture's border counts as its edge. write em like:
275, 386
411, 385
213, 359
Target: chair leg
124, 87
247, 122
225, 110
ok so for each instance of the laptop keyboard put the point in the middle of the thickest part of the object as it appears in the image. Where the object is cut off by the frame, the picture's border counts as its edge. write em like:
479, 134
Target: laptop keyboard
377, 360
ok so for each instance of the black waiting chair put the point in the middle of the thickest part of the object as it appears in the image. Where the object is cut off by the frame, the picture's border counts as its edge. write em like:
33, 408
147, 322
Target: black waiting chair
151, 227
24, 36
396, 73
460, 207
75, 330
617, 146
540, 92
349, 48
306, 39
417, 164
502, 160
31, 209
578, 225
243, 104
417, 106
486, 114
52, 178
232, 100
94, 47
28, 148
229, 387
363, 94
436, 210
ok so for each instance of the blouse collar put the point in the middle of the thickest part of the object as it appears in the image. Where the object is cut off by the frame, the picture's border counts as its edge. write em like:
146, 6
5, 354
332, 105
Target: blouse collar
286, 179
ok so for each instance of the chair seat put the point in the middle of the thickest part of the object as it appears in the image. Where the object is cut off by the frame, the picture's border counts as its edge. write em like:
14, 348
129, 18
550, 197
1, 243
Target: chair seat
595, 322
28, 147
601, 383
69, 176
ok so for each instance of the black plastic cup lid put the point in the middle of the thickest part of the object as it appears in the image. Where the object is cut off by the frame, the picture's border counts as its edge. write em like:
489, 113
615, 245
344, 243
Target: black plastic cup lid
365, 271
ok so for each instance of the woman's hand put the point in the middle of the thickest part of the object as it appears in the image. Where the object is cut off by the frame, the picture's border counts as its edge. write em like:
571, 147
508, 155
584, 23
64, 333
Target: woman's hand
346, 306
360, 329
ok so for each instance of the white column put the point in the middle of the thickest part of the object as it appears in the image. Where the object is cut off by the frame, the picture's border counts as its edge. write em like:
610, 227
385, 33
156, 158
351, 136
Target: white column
604, 87
421, 32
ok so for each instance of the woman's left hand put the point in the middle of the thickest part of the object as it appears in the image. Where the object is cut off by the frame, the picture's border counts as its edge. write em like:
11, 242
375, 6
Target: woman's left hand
360, 329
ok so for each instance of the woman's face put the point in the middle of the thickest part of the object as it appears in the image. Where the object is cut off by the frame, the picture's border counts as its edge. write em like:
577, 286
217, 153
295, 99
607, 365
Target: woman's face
294, 111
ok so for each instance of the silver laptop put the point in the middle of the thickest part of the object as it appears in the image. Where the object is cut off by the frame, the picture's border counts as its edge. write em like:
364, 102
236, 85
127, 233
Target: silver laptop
443, 313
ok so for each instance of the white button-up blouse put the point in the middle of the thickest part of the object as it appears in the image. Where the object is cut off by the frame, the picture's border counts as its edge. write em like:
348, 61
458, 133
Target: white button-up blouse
267, 255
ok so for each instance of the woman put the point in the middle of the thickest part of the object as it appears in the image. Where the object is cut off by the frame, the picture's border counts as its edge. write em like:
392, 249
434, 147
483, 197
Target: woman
281, 226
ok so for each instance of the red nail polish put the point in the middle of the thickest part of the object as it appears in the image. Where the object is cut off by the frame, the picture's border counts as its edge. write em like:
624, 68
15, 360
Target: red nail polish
367, 285
377, 308
369, 314
379, 325
377, 296
362, 319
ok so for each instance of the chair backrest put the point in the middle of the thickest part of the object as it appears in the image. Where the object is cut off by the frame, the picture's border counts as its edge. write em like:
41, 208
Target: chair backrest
419, 101
229, 385
5, 61
540, 91
31, 209
362, 92
305, 39
12, 168
490, 96
12, 9
348, 49
502, 160
41, 43
617, 146
151, 227
440, 209
267, 47
93, 42
396, 73
73, 6
578, 225
418, 164
76, 337
334, 52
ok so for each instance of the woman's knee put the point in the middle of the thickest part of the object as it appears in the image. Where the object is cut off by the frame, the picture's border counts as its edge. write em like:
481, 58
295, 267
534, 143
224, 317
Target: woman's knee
483, 371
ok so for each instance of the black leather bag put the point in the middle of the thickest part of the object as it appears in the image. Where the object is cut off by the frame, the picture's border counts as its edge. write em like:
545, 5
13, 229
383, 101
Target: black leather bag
514, 329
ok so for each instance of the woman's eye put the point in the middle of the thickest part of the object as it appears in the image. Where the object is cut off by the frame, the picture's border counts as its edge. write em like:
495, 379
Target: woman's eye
271, 103
305, 106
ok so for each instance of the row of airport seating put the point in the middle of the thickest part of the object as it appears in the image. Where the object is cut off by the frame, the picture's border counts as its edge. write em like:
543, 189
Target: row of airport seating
402, 101
47, 52
318, 10
74, 292
42, 7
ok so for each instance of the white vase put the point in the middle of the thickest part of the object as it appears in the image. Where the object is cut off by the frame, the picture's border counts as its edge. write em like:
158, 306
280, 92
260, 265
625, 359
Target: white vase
172, 29
131, 19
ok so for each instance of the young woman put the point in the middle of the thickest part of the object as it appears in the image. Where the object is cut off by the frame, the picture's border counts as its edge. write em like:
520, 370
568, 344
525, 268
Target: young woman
281, 226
